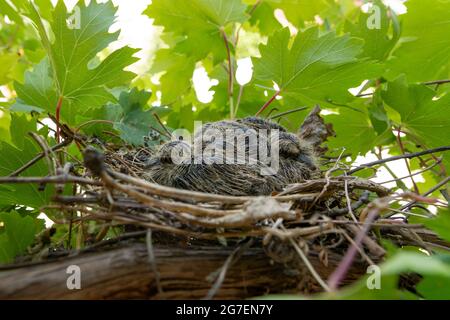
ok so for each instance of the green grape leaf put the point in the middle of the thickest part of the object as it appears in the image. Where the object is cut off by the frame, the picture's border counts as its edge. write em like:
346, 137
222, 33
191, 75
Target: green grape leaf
424, 54
374, 27
37, 94
315, 67
200, 21
178, 70
354, 126
193, 30
19, 232
427, 118
136, 124
435, 288
262, 15
67, 72
402, 262
12, 157
382, 282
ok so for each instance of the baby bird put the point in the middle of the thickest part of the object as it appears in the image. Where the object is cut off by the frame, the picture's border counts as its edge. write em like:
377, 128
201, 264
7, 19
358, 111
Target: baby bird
178, 164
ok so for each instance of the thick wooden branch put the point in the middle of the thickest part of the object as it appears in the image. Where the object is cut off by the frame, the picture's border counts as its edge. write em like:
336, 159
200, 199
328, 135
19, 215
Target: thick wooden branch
184, 274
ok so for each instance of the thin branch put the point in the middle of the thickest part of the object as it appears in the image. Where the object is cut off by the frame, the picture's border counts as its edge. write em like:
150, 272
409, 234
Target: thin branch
54, 179
39, 157
282, 114
51, 162
364, 94
349, 203
415, 173
433, 189
405, 156
155, 115
168, 205
360, 250
308, 263
182, 194
340, 272
436, 82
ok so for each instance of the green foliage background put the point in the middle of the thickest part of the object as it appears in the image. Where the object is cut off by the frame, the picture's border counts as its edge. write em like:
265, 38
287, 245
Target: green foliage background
45, 62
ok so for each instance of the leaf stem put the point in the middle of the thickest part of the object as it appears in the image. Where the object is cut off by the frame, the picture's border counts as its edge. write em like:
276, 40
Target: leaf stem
230, 73
241, 89
264, 107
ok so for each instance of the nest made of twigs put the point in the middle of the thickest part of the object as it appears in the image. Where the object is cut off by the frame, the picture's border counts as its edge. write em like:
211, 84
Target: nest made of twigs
316, 217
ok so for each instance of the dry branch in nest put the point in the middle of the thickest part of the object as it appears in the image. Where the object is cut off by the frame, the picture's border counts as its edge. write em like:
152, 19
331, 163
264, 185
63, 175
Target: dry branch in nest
313, 236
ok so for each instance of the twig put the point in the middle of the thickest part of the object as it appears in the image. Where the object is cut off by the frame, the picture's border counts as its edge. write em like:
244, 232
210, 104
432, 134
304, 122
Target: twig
39, 157
374, 248
405, 156
299, 232
51, 162
54, 179
279, 115
189, 195
364, 94
354, 206
344, 265
168, 205
436, 82
162, 133
308, 264
327, 179
337, 183
349, 203
360, 250
433, 189
156, 116
416, 173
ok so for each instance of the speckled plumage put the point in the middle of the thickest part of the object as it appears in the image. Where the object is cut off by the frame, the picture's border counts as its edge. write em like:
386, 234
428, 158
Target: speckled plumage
296, 162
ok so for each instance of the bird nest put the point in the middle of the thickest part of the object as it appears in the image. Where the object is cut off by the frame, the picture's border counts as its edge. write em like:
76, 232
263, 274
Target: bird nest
315, 218
303, 226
